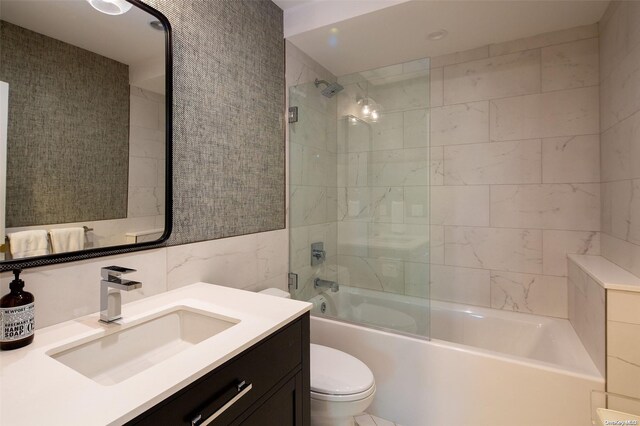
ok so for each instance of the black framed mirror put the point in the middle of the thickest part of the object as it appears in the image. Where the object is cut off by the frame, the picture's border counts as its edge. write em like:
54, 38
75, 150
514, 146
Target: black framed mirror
85, 130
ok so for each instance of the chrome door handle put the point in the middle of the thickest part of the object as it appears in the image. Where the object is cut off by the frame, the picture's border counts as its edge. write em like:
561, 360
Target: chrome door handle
243, 388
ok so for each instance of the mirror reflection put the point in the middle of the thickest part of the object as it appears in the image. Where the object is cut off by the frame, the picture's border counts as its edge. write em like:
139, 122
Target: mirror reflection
82, 126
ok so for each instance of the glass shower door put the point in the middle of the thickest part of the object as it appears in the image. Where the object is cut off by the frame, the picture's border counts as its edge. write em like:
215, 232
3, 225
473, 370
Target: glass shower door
359, 185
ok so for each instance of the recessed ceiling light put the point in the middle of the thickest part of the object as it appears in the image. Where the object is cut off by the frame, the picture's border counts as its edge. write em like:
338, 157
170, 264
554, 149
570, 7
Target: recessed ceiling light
111, 7
437, 35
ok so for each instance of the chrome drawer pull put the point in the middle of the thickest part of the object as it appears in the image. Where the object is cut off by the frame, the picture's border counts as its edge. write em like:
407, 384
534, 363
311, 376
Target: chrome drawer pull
243, 389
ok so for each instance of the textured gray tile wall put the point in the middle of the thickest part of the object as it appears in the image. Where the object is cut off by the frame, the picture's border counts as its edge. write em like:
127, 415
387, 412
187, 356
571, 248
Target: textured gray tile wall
228, 135
68, 124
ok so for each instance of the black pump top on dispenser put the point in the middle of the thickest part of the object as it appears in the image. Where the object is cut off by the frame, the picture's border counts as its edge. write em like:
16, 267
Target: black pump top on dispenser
17, 284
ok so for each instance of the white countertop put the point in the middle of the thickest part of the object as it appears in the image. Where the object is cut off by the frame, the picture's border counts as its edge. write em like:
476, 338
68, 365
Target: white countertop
35, 389
609, 275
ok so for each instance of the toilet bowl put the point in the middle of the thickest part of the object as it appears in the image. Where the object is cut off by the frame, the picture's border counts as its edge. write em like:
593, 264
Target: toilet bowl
342, 386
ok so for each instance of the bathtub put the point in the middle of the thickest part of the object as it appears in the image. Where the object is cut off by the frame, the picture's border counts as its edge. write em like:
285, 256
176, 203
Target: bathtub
481, 367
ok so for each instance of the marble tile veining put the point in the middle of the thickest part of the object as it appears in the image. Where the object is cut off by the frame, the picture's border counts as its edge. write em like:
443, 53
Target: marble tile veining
621, 252
416, 128
621, 150
548, 206
587, 313
436, 88
460, 124
570, 65
496, 77
461, 285
516, 250
460, 205
620, 90
557, 244
538, 294
571, 159
460, 57
493, 163
436, 244
552, 114
405, 167
546, 39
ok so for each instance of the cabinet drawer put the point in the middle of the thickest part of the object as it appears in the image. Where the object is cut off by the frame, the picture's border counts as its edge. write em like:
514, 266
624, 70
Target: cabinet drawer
260, 367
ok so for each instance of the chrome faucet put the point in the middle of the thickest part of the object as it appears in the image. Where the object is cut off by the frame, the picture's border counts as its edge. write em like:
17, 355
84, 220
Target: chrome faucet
320, 283
110, 286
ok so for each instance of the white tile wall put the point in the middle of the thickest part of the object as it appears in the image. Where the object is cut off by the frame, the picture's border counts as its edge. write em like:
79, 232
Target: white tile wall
460, 124
620, 120
495, 162
570, 65
587, 313
548, 206
518, 126
70, 290
516, 250
557, 244
560, 113
540, 294
460, 205
620, 89
623, 343
546, 39
498, 77
559, 163
461, 285
459, 57
147, 155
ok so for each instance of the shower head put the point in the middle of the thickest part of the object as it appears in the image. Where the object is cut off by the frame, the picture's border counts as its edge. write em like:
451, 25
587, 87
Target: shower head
330, 90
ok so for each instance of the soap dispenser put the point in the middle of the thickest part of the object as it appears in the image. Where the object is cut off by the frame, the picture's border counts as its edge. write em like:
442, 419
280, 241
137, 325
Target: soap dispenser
16, 316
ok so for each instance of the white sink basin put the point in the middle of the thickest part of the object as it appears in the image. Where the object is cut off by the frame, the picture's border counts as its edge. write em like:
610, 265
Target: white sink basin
124, 353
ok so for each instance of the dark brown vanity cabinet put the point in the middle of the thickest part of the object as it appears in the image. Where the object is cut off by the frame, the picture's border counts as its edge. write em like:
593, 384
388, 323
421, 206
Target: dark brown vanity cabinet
267, 384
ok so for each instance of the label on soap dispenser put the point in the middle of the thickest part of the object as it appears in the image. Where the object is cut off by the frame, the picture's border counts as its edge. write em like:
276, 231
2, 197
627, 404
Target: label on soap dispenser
16, 323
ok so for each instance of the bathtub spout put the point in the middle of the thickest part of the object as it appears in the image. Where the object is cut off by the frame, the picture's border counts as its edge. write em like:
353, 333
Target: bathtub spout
320, 283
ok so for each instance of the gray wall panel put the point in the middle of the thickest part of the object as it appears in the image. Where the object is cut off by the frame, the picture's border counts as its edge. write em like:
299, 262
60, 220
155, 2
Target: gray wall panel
228, 132
69, 115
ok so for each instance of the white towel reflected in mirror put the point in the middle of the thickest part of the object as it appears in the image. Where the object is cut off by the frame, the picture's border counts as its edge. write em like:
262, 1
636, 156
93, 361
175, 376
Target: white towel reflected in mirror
67, 239
28, 243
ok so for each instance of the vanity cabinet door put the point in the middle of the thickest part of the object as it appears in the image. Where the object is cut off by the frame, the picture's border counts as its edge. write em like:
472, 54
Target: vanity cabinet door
245, 385
283, 408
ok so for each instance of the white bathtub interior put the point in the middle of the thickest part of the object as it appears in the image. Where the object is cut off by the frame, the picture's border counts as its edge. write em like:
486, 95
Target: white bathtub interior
549, 342
432, 383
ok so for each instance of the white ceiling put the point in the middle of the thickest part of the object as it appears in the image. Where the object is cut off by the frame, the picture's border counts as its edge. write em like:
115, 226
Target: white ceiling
399, 33
126, 38
288, 4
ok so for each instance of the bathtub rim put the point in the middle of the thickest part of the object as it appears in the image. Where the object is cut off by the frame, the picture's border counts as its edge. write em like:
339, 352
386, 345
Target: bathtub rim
485, 353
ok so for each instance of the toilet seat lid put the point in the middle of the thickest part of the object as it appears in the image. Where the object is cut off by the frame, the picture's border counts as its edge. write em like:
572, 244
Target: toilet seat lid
334, 372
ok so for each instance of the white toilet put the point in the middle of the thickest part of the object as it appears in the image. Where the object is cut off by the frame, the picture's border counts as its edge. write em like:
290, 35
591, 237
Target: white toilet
342, 386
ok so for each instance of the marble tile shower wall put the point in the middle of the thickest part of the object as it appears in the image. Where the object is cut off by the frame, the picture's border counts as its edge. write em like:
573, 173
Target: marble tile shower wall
515, 145
383, 180
147, 157
312, 170
620, 125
